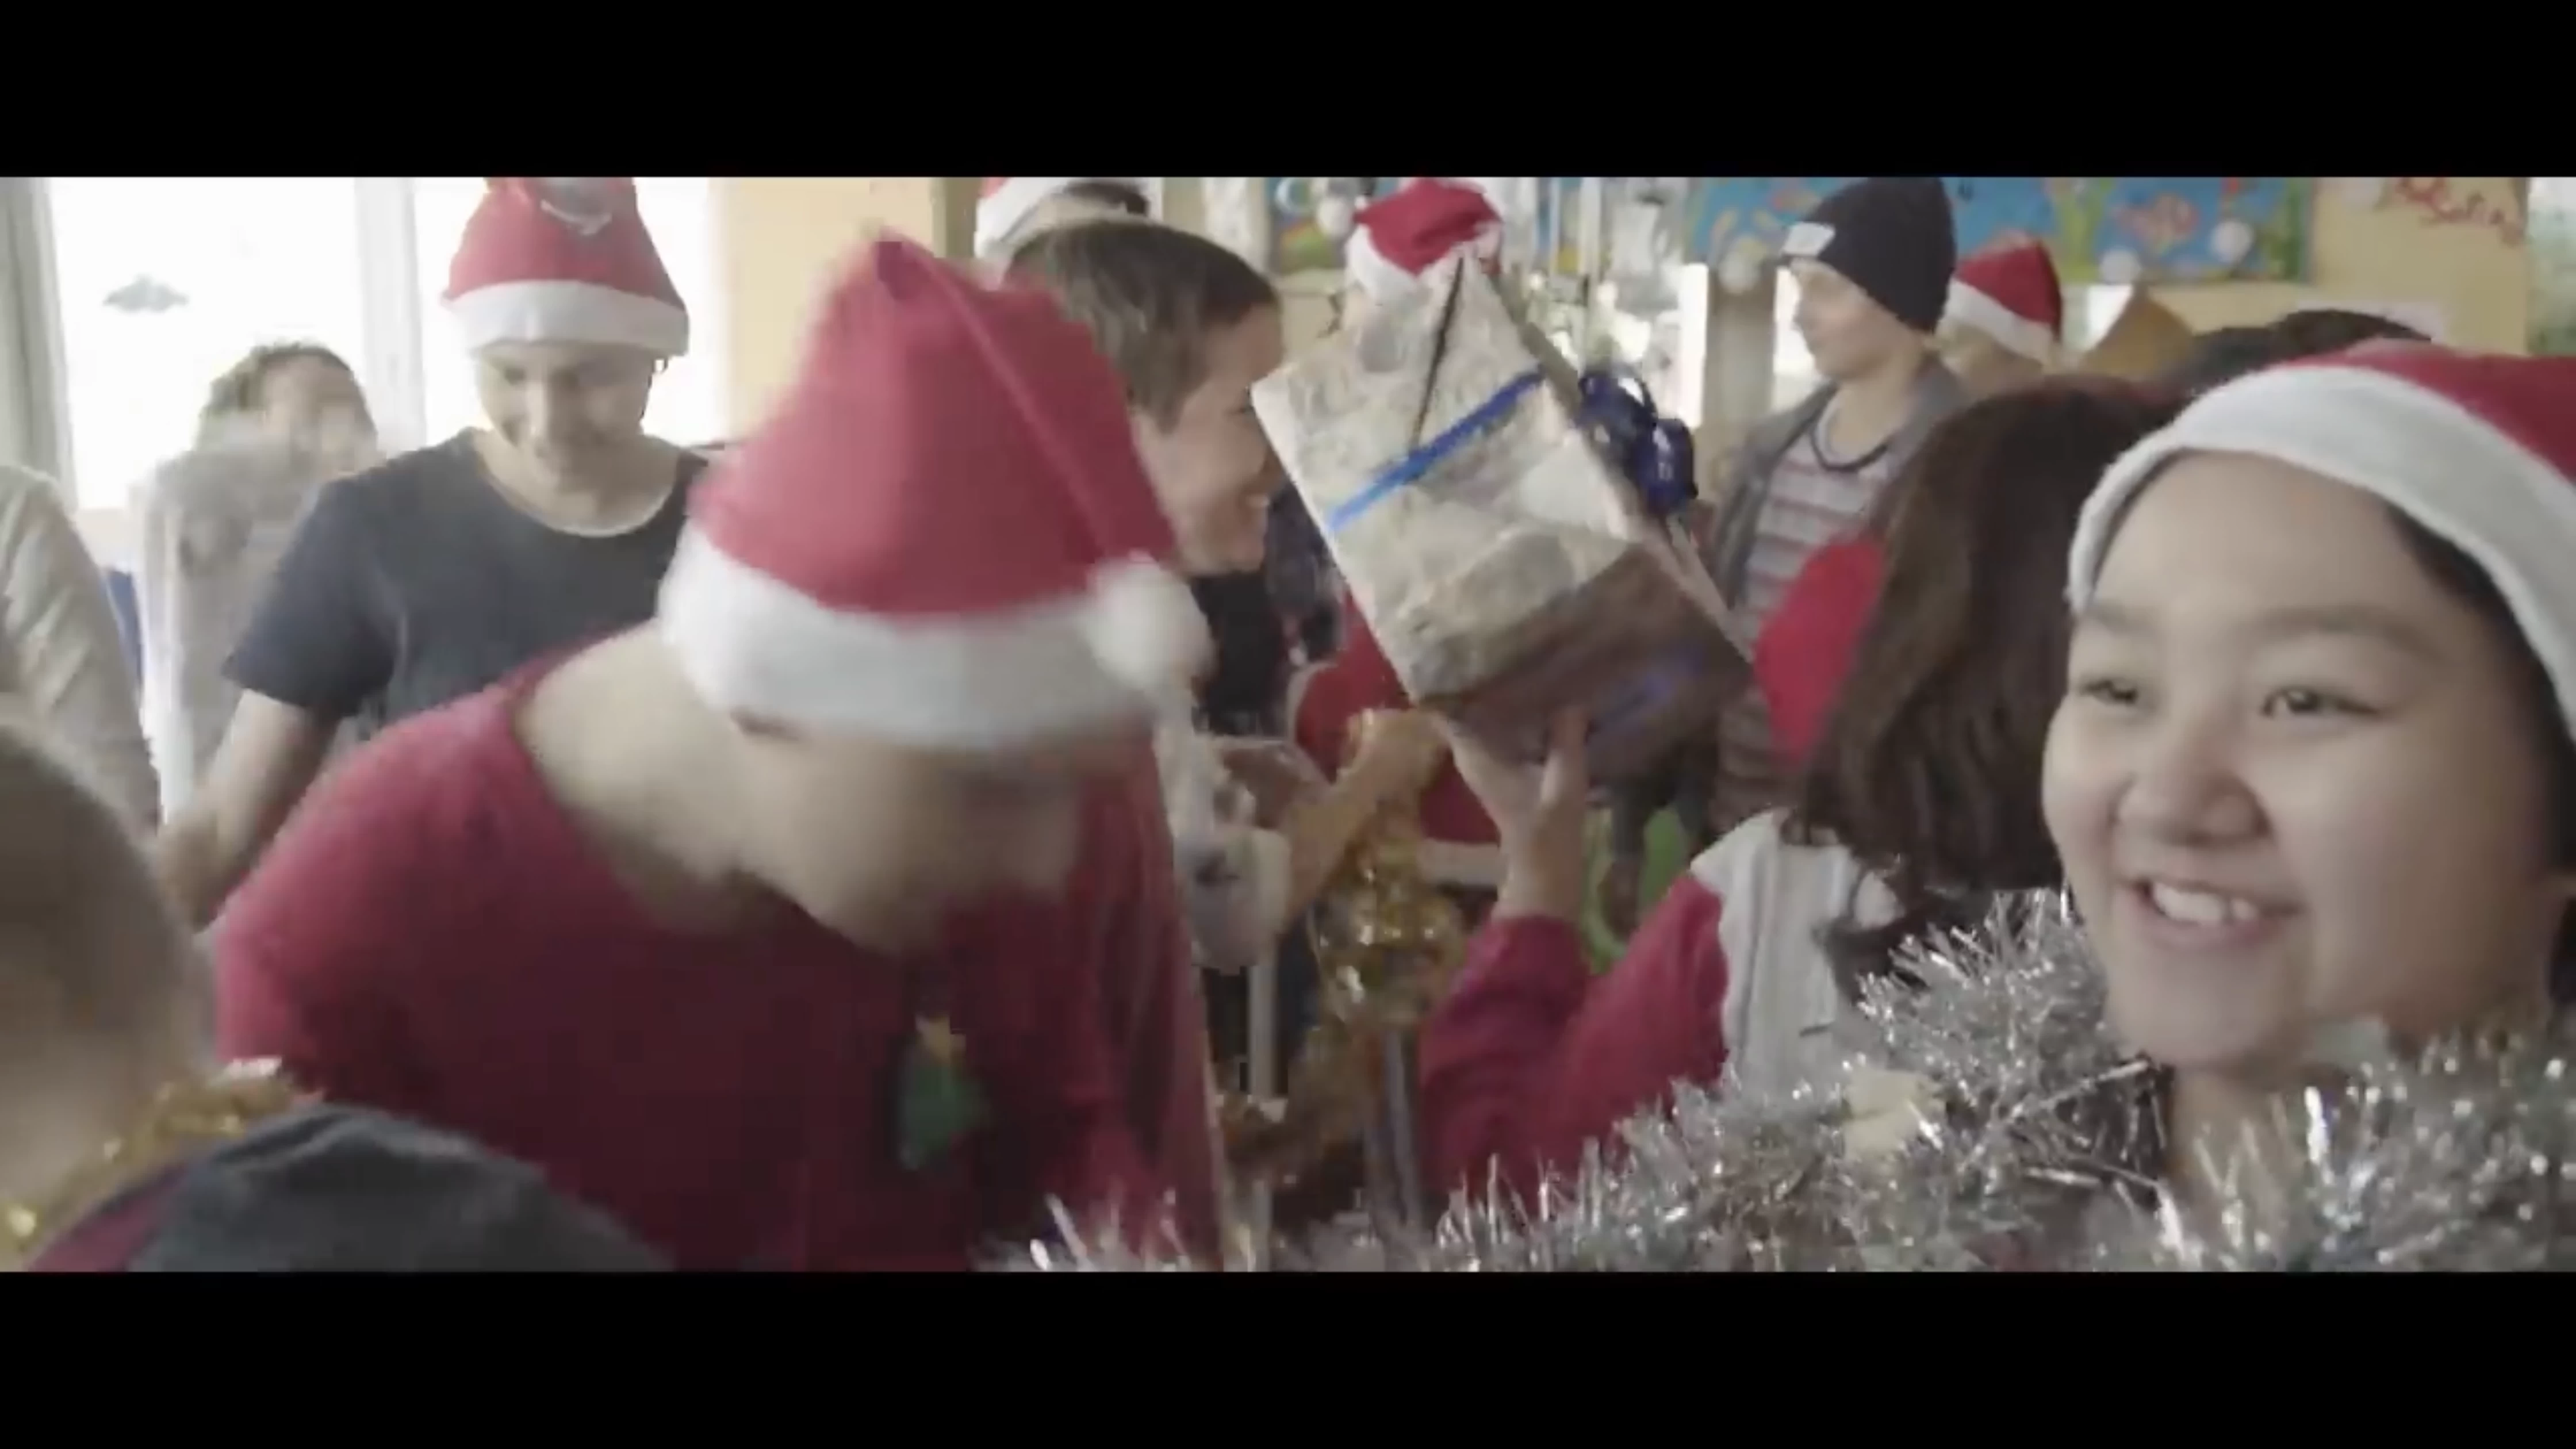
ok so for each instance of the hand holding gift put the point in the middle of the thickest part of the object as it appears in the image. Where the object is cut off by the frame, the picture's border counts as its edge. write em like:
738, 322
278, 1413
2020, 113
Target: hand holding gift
1505, 564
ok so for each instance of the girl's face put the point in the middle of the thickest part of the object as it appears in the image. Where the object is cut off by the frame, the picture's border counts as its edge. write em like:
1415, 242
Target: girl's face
2294, 780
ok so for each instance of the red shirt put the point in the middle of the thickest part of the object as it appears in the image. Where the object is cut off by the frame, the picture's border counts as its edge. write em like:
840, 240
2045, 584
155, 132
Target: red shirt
431, 936
1806, 648
1356, 680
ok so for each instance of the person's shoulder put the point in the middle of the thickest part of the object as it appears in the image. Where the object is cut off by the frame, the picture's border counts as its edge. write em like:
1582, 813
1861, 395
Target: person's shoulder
18, 482
396, 489
27, 496
389, 819
342, 1189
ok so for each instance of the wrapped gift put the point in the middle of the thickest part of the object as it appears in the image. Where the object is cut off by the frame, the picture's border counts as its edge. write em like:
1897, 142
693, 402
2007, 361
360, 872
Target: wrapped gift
1500, 557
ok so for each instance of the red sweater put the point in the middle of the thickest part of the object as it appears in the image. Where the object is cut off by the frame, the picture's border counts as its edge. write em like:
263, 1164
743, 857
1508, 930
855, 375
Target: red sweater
1805, 650
1331, 697
432, 937
1532, 1057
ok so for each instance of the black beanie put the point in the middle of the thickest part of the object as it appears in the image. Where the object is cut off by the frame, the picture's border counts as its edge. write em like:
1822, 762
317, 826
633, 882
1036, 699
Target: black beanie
1892, 236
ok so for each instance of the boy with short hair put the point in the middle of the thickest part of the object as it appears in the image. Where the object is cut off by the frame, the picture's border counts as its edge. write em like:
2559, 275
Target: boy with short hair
1190, 327
124, 1146
778, 926
1873, 265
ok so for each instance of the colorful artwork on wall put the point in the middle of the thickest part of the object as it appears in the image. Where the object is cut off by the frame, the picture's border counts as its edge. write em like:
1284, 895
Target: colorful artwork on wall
2108, 229
1297, 244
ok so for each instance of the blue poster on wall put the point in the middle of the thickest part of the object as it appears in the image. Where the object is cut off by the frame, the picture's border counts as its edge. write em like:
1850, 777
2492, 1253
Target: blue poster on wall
1297, 244
2111, 229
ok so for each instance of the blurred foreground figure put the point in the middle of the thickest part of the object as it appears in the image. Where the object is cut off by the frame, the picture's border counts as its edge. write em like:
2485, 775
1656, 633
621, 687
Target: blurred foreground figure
60, 656
213, 524
123, 1147
781, 927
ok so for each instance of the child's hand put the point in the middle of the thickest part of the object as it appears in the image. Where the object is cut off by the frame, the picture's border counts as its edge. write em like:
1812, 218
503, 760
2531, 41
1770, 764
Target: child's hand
1539, 812
1404, 749
1278, 776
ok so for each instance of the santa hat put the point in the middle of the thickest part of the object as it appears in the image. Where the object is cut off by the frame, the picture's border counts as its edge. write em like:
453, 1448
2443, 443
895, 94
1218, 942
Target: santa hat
943, 537
563, 259
1400, 237
1008, 200
2479, 450
2012, 295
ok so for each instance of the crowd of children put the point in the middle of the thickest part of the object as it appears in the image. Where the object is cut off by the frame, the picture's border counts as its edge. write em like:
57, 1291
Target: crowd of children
811, 861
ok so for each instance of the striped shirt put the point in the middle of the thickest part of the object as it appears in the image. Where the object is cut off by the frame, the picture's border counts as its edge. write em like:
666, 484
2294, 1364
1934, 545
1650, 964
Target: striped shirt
1813, 500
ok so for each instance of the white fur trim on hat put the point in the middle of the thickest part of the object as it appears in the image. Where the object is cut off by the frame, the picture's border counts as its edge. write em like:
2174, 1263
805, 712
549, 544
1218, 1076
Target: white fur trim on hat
753, 645
1370, 271
999, 214
569, 312
2509, 509
2017, 334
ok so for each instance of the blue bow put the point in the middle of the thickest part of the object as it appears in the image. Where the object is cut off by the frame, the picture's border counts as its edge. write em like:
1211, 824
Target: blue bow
1651, 450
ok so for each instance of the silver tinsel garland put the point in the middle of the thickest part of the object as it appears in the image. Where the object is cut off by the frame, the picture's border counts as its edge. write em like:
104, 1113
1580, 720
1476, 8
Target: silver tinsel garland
2036, 1143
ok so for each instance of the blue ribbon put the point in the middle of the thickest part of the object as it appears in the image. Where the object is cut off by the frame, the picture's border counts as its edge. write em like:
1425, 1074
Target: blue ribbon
1652, 451
1409, 469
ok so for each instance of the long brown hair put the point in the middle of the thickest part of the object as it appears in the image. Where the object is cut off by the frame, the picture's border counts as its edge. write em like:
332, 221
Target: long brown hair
1927, 767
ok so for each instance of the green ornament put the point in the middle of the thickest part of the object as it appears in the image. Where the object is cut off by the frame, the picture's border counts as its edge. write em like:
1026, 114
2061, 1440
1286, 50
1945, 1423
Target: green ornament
939, 1103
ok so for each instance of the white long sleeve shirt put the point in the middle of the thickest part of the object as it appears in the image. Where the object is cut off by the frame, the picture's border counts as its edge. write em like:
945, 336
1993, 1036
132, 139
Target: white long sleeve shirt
211, 527
1234, 875
60, 654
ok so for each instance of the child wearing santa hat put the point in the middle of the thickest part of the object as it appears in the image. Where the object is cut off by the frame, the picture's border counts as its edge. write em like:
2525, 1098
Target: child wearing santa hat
1013, 209
445, 568
129, 1146
2314, 779
2006, 319
776, 927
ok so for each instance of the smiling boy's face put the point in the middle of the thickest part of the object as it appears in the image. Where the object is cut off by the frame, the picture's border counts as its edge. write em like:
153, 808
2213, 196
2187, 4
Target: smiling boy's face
1211, 463
880, 840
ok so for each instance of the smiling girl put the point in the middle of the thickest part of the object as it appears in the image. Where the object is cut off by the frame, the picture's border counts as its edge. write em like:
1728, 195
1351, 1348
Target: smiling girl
2314, 768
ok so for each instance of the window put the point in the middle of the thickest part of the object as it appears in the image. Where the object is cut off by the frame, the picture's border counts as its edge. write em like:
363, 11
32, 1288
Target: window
162, 283
688, 401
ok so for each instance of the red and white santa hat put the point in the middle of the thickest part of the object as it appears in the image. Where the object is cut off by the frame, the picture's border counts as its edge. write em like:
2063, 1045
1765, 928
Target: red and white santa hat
2012, 295
1398, 239
563, 259
2479, 450
1008, 200
943, 537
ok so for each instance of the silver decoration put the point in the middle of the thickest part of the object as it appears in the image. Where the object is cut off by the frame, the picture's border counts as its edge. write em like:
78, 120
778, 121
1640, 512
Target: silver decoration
2038, 1148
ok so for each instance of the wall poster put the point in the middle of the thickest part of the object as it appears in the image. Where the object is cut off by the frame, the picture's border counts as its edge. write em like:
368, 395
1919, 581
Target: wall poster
2102, 229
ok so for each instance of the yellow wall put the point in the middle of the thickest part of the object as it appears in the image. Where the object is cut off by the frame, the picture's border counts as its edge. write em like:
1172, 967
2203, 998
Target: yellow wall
2478, 281
781, 239
781, 236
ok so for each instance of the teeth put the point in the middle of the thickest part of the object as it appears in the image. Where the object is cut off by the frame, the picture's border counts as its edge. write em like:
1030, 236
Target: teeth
2200, 908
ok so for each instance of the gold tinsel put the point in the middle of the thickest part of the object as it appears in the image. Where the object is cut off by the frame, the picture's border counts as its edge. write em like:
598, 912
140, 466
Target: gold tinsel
181, 1119
1387, 943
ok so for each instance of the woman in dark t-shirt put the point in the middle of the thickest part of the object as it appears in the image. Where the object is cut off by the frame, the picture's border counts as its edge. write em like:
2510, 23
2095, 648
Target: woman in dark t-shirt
433, 575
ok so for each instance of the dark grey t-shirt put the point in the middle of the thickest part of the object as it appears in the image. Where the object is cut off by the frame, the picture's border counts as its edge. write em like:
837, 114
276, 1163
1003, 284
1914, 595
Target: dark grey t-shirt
416, 583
